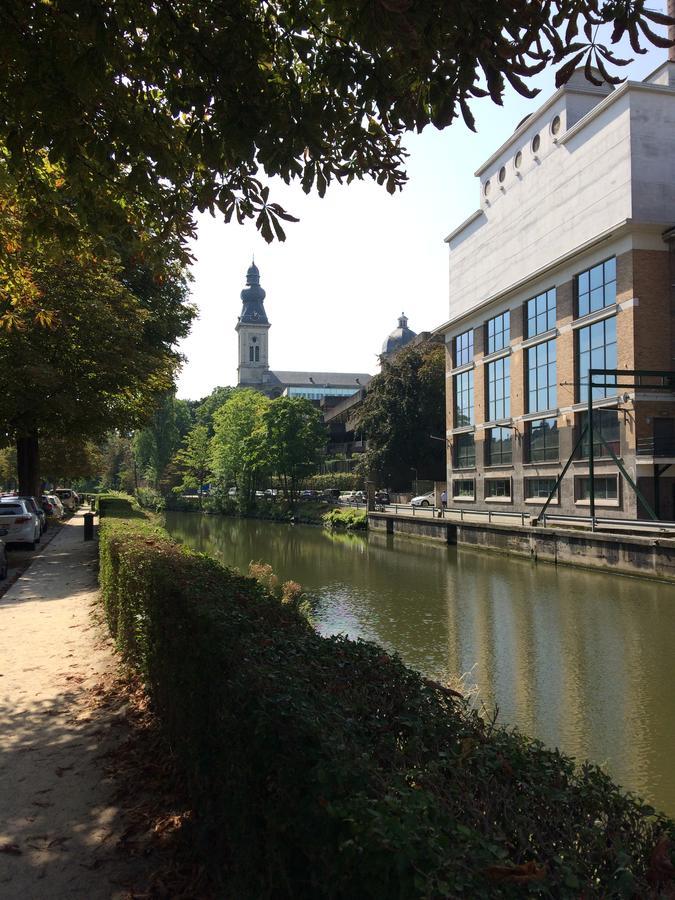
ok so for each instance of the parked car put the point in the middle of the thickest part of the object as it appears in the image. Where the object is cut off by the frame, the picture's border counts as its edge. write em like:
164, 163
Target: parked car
3, 561
331, 494
232, 492
381, 497
36, 507
423, 500
348, 497
68, 498
309, 495
18, 523
58, 510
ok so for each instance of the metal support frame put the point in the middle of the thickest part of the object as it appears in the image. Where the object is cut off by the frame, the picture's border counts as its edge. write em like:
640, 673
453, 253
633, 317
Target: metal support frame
667, 379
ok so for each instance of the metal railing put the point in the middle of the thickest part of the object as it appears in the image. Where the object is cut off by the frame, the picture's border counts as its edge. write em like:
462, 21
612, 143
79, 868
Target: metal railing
657, 447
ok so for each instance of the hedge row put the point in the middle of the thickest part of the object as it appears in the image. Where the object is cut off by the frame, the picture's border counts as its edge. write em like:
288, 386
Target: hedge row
324, 768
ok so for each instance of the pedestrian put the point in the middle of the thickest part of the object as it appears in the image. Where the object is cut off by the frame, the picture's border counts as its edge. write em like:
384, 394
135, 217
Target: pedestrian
444, 499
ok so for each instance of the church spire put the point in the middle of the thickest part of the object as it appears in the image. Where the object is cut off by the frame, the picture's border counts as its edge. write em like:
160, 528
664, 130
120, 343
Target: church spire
253, 296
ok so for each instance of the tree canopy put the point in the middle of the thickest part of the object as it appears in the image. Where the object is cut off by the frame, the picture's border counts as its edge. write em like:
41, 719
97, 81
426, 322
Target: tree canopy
404, 406
147, 111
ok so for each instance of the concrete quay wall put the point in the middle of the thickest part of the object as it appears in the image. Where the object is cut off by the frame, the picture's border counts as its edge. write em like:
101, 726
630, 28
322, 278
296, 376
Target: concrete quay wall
651, 557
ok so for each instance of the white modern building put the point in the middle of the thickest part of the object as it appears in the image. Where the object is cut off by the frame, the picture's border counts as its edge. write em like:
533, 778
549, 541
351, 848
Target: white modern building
567, 264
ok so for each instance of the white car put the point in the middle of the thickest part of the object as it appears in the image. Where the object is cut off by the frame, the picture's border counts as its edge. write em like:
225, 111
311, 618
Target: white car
59, 511
18, 524
68, 498
423, 500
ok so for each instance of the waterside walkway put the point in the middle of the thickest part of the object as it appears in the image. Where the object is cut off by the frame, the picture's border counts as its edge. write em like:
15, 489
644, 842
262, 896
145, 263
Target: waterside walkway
58, 825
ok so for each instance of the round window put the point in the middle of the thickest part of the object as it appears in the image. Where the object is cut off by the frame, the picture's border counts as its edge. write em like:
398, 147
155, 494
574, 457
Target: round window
486, 187
536, 142
518, 160
555, 125
502, 173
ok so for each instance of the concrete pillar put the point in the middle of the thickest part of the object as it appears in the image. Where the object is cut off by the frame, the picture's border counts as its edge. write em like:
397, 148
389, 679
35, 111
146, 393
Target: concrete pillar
671, 29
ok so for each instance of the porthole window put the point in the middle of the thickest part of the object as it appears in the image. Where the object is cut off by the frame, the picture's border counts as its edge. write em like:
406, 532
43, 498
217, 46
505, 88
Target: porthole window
536, 141
502, 174
555, 125
518, 160
486, 187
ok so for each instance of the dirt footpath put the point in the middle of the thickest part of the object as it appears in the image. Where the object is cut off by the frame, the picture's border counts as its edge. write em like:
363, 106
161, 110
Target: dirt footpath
59, 826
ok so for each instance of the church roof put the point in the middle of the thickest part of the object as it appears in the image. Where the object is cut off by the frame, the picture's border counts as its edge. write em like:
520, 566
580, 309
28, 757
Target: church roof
400, 336
321, 379
253, 296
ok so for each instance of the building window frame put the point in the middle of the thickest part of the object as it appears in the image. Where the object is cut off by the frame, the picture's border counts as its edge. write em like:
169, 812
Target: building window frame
464, 450
461, 492
541, 377
463, 348
549, 450
463, 398
498, 456
612, 496
498, 332
540, 313
498, 490
596, 348
609, 428
540, 497
498, 389
595, 287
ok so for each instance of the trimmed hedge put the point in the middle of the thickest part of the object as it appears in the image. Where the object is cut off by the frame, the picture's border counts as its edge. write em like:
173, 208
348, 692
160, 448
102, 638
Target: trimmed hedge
324, 768
121, 506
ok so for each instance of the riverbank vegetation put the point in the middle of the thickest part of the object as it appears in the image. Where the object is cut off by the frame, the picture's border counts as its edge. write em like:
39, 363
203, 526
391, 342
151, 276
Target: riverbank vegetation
324, 768
346, 517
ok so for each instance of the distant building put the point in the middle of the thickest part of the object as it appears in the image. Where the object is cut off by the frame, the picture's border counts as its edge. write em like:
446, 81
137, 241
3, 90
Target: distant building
568, 264
253, 368
400, 336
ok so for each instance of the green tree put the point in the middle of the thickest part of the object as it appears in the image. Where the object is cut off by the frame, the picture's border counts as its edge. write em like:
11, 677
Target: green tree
67, 458
155, 444
294, 441
205, 408
152, 110
118, 471
237, 447
405, 404
194, 461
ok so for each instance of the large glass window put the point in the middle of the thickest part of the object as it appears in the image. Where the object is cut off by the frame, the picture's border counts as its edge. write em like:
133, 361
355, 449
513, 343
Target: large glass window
542, 440
497, 487
499, 389
539, 488
605, 425
464, 399
596, 287
464, 348
606, 487
465, 451
498, 332
541, 377
541, 313
597, 350
499, 447
464, 489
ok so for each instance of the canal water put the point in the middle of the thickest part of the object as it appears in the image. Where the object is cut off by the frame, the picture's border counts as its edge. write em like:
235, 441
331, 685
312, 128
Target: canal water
582, 660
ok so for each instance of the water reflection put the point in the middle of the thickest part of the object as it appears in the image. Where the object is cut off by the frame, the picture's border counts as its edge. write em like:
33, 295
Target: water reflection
583, 660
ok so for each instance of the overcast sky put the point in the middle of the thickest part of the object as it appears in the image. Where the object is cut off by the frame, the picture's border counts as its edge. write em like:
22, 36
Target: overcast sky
355, 261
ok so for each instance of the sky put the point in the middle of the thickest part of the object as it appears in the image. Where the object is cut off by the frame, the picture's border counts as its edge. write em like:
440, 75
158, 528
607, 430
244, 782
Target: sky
357, 258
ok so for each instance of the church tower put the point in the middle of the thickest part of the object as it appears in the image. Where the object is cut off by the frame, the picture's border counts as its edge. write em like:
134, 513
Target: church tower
252, 329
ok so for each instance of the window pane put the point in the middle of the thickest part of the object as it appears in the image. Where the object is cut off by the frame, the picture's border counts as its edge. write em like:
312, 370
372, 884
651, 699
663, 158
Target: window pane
597, 350
498, 331
605, 426
541, 313
543, 440
499, 389
539, 488
596, 287
498, 487
464, 399
541, 377
465, 451
464, 348
499, 447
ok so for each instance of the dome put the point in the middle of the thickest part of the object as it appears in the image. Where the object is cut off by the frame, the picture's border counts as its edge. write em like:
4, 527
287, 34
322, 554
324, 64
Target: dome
400, 336
253, 296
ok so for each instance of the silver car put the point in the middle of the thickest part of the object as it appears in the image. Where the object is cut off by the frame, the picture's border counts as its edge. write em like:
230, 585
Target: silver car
18, 523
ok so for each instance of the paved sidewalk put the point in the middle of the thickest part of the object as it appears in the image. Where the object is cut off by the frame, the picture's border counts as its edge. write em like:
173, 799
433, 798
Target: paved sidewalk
58, 826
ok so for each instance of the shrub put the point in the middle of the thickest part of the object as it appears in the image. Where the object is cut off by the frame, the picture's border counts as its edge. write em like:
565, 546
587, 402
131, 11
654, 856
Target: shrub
324, 768
149, 498
118, 505
342, 481
346, 517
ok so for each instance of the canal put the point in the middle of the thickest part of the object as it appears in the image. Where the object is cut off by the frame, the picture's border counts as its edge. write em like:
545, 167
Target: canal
582, 660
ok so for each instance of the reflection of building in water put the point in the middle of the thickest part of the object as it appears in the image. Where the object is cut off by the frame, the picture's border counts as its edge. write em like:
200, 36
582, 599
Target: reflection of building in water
567, 265
566, 666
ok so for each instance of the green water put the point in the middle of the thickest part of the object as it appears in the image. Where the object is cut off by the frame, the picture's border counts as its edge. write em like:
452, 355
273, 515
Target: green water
582, 660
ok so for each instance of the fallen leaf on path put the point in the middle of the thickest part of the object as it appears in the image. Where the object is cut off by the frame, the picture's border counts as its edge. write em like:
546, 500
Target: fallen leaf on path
12, 849
61, 769
58, 842
43, 803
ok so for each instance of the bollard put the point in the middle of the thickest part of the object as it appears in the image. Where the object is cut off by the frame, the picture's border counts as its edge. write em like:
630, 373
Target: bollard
89, 526
92, 504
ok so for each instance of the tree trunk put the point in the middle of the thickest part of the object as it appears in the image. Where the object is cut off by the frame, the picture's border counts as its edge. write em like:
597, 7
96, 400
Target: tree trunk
28, 464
